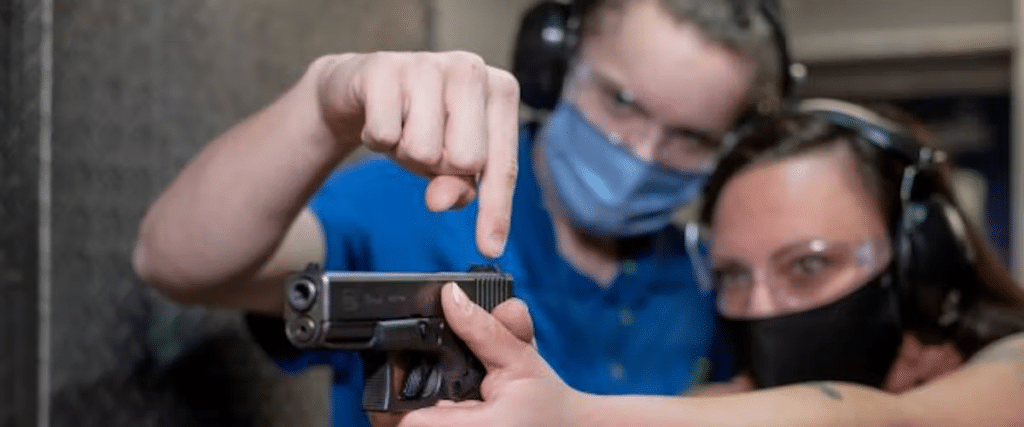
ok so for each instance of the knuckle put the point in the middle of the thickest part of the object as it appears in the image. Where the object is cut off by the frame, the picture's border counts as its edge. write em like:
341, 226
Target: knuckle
504, 85
468, 160
466, 57
327, 67
383, 63
384, 57
421, 153
335, 59
468, 68
423, 68
378, 138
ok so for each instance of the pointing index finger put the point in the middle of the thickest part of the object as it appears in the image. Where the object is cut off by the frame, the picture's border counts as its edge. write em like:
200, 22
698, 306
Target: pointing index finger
498, 179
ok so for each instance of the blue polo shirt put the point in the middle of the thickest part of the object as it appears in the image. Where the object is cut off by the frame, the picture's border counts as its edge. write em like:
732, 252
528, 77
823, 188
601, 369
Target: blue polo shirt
652, 331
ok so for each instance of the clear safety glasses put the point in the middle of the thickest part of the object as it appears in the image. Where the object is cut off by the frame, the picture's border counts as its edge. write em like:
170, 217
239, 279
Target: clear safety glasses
625, 120
796, 277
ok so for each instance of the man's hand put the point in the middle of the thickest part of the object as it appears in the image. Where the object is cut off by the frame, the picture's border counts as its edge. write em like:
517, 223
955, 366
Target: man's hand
215, 235
447, 116
520, 388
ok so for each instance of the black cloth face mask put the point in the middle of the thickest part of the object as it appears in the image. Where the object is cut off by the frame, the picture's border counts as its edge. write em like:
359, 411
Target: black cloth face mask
853, 339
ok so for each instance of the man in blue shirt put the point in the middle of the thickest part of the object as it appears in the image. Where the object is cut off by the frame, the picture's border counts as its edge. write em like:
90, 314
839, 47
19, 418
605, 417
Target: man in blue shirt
653, 87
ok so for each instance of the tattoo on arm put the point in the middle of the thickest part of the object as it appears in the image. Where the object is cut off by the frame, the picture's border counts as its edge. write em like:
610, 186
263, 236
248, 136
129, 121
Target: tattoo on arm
827, 388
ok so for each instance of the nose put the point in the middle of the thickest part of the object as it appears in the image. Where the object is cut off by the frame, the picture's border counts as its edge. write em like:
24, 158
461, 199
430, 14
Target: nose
761, 302
645, 141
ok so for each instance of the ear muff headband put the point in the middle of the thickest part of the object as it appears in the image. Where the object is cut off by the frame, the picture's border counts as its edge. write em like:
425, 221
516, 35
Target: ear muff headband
881, 132
792, 73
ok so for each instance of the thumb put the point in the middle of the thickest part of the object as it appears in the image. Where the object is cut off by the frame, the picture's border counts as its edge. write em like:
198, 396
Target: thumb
516, 317
448, 192
492, 342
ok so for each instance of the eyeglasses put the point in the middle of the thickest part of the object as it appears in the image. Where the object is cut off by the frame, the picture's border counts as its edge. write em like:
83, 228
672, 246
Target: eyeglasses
797, 277
622, 117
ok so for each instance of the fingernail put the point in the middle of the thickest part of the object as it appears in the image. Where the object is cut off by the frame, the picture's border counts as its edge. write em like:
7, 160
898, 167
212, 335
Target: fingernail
497, 244
461, 299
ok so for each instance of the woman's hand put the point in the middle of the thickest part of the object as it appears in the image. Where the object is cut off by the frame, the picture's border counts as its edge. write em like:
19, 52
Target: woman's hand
520, 389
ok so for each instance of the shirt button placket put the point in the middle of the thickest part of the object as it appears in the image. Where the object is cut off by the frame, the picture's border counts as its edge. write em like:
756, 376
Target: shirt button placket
626, 317
616, 371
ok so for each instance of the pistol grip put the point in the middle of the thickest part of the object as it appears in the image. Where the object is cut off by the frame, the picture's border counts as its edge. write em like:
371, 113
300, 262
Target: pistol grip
384, 377
460, 370
407, 379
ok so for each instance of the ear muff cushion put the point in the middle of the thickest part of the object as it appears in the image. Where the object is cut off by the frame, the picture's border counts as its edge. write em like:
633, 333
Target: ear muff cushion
541, 55
932, 259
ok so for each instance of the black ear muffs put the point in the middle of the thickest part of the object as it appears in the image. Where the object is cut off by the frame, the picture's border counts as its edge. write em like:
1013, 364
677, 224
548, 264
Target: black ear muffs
934, 267
541, 56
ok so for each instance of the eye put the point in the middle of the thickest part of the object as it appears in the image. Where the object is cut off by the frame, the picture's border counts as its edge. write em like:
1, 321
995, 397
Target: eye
731, 277
624, 98
690, 142
621, 103
807, 267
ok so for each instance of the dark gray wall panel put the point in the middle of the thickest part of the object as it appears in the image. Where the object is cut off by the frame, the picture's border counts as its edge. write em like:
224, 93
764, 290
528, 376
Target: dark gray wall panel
19, 215
138, 88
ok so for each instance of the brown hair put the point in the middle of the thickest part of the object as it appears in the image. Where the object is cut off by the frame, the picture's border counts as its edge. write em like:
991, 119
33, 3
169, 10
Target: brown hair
793, 134
740, 25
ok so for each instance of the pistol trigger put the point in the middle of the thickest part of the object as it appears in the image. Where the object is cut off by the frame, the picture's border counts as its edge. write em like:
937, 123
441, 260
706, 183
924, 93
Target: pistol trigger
415, 380
433, 382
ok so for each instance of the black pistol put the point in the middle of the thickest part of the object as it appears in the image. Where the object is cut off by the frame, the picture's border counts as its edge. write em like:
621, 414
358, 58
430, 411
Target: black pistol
411, 359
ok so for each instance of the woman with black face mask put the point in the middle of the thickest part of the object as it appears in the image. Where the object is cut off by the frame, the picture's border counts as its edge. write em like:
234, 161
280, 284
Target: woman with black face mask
839, 253
856, 293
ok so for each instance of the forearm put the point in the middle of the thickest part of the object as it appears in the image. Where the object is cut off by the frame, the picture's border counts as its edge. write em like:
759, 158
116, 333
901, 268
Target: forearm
228, 209
813, 404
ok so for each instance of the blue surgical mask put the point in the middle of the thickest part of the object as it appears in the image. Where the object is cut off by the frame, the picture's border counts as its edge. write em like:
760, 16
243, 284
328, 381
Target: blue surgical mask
604, 188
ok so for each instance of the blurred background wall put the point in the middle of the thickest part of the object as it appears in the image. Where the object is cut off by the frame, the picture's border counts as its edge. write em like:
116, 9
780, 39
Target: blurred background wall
103, 101
950, 64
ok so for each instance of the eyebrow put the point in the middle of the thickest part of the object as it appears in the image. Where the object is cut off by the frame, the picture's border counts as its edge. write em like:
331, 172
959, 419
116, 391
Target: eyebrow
799, 246
719, 264
610, 85
776, 254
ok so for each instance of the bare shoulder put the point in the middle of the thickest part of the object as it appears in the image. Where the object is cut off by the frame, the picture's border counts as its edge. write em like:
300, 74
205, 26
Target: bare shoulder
1007, 349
